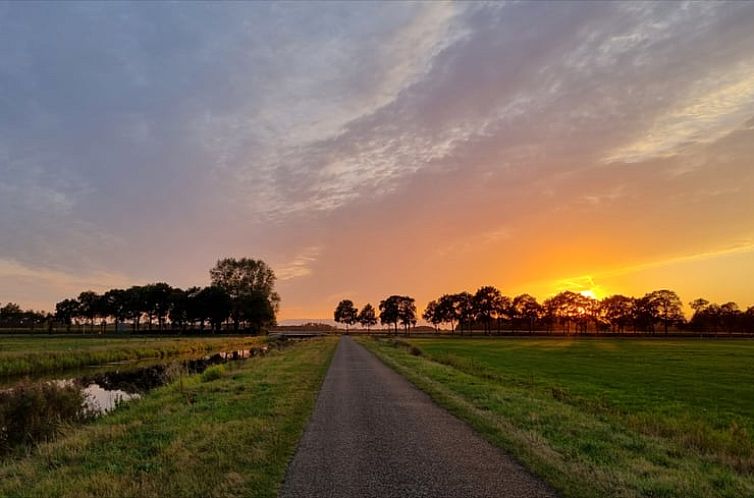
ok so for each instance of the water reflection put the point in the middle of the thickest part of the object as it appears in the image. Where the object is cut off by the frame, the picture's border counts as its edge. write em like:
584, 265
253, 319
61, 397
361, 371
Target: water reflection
35, 410
101, 400
105, 390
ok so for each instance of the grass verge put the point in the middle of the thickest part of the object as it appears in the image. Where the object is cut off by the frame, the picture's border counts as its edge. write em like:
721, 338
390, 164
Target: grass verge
231, 436
599, 418
39, 354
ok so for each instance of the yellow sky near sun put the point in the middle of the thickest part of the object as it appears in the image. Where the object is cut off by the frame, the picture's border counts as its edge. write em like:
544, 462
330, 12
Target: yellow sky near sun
719, 276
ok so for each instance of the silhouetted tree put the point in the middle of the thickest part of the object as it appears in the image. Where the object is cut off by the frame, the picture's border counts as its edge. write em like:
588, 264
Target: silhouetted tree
367, 317
464, 305
504, 312
431, 314
446, 311
194, 312
619, 311
346, 313
488, 305
407, 312
135, 305
389, 312
178, 314
729, 316
157, 300
526, 308
66, 311
116, 304
665, 306
215, 305
245, 276
89, 306
11, 315
563, 308
749, 317
699, 304
256, 311
700, 318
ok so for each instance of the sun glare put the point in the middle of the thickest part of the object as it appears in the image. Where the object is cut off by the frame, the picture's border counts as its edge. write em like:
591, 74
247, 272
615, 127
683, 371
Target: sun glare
588, 293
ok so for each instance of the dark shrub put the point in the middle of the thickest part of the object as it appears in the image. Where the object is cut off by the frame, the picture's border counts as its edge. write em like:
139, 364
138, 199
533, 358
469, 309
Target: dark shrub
35, 412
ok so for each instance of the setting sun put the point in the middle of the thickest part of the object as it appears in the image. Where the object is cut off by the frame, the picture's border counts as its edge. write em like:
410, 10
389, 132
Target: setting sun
588, 293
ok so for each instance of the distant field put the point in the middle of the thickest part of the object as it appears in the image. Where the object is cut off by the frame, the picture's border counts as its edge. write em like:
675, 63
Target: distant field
35, 354
602, 417
227, 434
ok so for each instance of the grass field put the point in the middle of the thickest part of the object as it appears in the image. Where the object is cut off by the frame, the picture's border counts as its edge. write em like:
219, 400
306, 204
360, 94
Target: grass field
228, 434
602, 417
37, 354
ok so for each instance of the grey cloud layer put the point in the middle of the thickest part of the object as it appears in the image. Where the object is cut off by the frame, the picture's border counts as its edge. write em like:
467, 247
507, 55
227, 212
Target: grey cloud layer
131, 122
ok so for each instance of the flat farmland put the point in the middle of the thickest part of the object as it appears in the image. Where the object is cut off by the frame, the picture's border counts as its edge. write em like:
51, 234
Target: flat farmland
39, 353
597, 417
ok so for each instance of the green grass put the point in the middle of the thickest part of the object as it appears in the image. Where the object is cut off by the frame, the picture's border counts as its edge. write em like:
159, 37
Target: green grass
229, 437
39, 354
628, 418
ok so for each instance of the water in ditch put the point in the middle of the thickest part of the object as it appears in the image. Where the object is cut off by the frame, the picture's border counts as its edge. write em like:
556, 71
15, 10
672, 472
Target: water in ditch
33, 410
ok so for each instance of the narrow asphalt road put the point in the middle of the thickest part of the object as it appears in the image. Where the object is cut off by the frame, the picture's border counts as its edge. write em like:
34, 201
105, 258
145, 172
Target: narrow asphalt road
373, 434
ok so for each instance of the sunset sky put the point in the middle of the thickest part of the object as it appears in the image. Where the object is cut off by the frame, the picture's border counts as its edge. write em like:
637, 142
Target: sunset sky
366, 149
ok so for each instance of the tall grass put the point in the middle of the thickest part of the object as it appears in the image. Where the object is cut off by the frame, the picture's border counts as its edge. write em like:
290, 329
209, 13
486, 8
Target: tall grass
36, 412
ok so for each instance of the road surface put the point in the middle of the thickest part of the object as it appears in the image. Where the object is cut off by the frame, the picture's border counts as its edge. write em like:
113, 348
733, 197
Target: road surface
373, 434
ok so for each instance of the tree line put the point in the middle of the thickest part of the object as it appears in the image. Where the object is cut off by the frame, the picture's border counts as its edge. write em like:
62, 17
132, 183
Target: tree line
490, 311
241, 296
12, 316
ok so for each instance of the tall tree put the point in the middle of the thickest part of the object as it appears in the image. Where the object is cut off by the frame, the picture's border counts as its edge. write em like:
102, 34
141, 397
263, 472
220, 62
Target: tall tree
699, 318
619, 311
367, 317
245, 276
214, 305
463, 302
390, 311
11, 315
115, 302
446, 311
89, 306
432, 314
699, 304
135, 305
407, 312
194, 311
66, 311
159, 300
178, 313
526, 308
749, 319
666, 307
729, 316
488, 304
346, 313
256, 311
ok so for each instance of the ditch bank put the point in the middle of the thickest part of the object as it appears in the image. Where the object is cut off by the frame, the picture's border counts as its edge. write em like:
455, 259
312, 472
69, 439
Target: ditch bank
36, 411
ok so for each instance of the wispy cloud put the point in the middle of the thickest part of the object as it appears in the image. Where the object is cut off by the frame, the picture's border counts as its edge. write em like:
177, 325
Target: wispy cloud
722, 104
300, 265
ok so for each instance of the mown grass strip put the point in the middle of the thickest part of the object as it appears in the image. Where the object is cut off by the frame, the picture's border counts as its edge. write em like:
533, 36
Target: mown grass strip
231, 436
39, 354
581, 446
